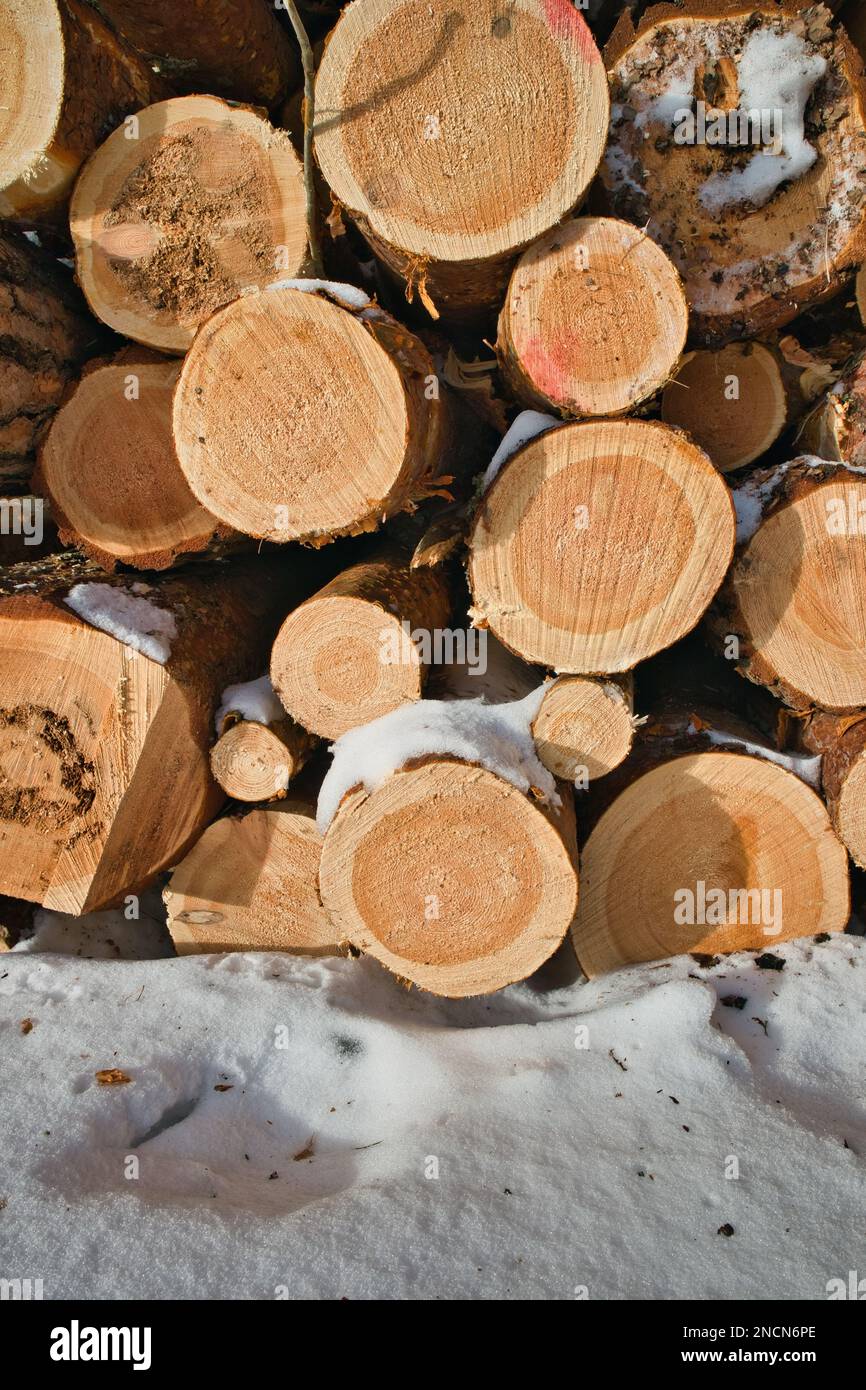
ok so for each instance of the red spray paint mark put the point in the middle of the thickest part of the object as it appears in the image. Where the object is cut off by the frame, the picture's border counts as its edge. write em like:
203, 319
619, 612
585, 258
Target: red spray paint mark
550, 364
567, 22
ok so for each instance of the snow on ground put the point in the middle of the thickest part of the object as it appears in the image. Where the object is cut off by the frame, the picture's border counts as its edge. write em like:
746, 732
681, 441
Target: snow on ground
309, 1128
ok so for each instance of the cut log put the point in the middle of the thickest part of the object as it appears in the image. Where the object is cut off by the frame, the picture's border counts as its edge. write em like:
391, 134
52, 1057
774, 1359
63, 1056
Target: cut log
599, 544
233, 48
584, 728
362, 646
451, 877
110, 468
104, 776
734, 403
88, 81
594, 320
250, 884
793, 609
256, 762
712, 851
836, 428
45, 335
841, 741
760, 221
203, 202
300, 418
430, 129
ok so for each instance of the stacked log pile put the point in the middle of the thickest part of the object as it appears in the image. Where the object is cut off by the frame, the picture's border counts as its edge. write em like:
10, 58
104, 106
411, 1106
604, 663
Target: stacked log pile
547, 510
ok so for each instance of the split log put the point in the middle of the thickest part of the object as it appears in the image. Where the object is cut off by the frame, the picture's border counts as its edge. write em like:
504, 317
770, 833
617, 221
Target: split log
259, 750
451, 877
734, 403
594, 320
300, 418
110, 468
841, 741
104, 738
760, 223
706, 852
455, 139
836, 428
599, 544
362, 645
45, 335
250, 884
88, 81
793, 608
233, 48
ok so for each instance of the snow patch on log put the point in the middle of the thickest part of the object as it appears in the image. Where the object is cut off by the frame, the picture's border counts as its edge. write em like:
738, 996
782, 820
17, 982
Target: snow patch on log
255, 701
125, 615
497, 737
805, 766
347, 295
528, 425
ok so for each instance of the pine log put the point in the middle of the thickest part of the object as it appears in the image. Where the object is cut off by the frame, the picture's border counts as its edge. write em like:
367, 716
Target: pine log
110, 468
232, 48
451, 877
757, 231
104, 739
70, 79
362, 645
45, 335
299, 418
841, 741
252, 761
599, 544
205, 201
734, 402
594, 320
793, 608
456, 138
250, 884
584, 728
836, 428
707, 852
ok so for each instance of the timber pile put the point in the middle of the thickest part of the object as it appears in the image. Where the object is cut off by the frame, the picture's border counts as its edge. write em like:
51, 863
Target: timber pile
601, 686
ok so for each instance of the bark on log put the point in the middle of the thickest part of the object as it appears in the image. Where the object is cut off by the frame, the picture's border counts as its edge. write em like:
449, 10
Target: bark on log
45, 335
734, 402
841, 742
836, 428
594, 320
793, 607
451, 877
430, 129
252, 761
348, 654
203, 202
103, 749
110, 468
599, 544
298, 418
89, 81
755, 242
233, 48
250, 884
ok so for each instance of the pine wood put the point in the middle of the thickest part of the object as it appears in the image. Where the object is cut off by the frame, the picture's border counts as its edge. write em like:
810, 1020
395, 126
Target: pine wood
841, 740
456, 137
46, 334
795, 597
597, 598
204, 204
110, 468
732, 821
250, 884
733, 431
69, 80
584, 728
232, 48
594, 320
836, 428
256, 762
298, 419
104, 776
333, 662
799, 244
455, 840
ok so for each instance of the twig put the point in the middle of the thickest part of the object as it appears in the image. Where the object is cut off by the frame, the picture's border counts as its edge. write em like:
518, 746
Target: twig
309, 112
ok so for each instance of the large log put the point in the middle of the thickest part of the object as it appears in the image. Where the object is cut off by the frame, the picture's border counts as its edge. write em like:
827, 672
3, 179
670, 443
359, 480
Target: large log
758, 230
455, 139
202, 201
89, 80
599, 544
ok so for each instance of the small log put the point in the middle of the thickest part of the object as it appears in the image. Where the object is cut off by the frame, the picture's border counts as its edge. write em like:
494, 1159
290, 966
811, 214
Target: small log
584, 728
111, 472
430, 128
259, 750
362, 645
793, 608
233, 48
760, 223
841, 741
836, 428
300, 418
89, 80
250, 884
599, 544
594, 320
204, 202
734, 402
